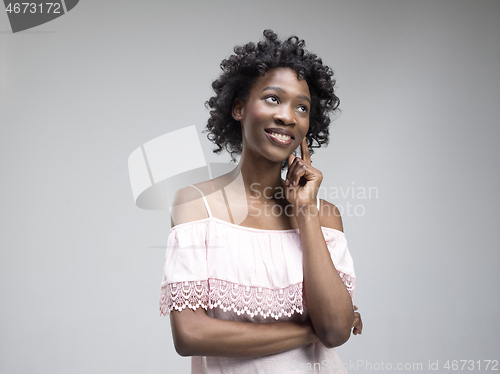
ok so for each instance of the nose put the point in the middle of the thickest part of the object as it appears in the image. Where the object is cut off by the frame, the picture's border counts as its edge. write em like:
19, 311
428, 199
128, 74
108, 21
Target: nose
285, 115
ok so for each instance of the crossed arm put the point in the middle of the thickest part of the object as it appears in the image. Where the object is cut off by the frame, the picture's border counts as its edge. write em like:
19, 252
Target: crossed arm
197, 334
329, 305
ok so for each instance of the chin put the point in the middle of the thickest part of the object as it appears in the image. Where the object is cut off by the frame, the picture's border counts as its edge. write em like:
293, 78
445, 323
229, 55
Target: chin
278, 157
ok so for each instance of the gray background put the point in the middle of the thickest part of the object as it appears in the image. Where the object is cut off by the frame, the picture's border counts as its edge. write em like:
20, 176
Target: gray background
81, 265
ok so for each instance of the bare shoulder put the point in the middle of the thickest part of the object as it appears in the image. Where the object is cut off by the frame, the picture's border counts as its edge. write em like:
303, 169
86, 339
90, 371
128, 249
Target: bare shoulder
330, 216
187, 206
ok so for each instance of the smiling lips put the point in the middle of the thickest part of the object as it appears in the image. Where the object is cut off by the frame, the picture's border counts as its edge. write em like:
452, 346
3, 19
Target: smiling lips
280, 136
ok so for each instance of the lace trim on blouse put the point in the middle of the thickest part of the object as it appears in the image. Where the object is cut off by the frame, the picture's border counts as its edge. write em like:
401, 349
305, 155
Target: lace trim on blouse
240, 299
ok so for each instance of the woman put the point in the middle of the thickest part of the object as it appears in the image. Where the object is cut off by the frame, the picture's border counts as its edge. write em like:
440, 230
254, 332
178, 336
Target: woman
272, 292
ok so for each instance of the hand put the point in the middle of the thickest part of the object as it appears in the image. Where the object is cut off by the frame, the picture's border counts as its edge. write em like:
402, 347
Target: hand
302, 180
357, 324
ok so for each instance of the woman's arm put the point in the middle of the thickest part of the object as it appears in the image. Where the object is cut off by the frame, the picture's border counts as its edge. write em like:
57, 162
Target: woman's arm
197, 334
327, 299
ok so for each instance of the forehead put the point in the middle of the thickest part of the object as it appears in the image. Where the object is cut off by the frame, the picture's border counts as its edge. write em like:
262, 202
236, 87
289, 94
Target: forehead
285, 78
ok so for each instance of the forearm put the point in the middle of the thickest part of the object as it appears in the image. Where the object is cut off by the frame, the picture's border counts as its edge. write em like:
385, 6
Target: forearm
328, 301
196, 334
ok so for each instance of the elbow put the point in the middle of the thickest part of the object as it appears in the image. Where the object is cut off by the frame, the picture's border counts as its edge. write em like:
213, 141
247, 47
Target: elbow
182, 350
190, 341
337, 334
334, 337
185, 337
182, 345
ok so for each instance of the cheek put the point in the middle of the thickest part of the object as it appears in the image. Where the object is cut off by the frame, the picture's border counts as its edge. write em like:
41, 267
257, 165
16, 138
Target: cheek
305, 129
257, 113
303, 132
253, 117
255, 120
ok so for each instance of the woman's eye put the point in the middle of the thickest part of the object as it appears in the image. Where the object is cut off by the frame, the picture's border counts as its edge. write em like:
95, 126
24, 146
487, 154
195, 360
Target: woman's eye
272, 99
303, 108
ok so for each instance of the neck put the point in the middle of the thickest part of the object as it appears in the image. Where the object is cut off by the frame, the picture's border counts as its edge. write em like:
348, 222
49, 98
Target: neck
259, 176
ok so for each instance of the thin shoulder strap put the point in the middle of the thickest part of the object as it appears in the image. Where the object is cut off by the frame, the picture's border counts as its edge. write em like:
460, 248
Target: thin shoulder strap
317, 202
225, 200
204, 200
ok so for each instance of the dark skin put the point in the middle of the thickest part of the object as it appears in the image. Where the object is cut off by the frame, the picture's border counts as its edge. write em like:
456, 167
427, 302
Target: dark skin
277, 100
324, 290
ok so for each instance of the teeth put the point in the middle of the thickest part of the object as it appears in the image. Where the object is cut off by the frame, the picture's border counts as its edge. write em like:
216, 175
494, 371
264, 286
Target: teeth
281, 136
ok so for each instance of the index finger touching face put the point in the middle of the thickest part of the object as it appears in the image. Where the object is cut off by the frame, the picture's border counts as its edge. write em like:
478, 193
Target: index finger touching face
290, 160
304, 151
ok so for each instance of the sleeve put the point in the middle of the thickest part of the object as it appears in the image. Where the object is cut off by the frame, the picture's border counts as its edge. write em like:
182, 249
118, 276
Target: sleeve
185, 275
337, 246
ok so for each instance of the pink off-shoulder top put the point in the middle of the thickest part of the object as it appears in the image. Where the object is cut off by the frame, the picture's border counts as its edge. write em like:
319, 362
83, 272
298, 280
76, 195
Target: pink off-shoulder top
240, 273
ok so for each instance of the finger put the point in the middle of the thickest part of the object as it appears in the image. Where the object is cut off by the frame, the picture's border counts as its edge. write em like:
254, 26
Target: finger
305, 154
355, 326
356, 321
355, 308
359, 329
359, 325
291, 158
297, 170
292, 161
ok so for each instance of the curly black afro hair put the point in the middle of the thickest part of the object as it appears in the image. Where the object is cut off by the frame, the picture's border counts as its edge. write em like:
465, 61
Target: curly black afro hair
246, 65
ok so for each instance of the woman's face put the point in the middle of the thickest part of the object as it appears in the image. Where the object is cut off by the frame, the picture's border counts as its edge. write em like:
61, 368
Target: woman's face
275, 118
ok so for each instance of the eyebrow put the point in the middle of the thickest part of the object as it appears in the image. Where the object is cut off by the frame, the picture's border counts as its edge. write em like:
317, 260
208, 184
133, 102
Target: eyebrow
300, 96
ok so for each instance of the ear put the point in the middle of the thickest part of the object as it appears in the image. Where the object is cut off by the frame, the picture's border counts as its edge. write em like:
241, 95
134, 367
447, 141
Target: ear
238, 109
